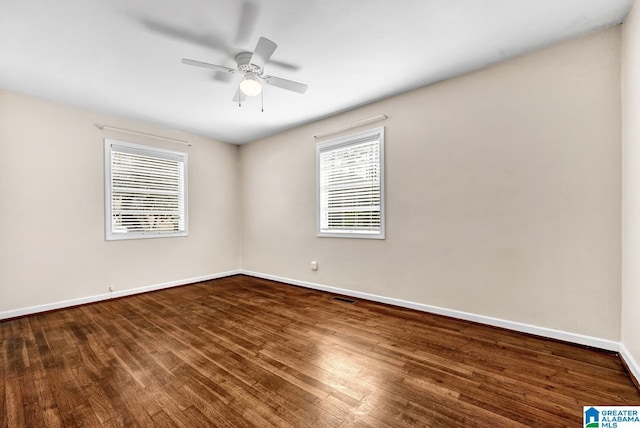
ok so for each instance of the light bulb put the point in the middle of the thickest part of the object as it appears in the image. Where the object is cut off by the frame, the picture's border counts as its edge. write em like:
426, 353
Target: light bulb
250, 85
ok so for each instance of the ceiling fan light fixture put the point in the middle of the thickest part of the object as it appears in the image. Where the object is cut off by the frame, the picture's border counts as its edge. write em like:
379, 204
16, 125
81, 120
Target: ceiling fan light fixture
250, 85
250, 65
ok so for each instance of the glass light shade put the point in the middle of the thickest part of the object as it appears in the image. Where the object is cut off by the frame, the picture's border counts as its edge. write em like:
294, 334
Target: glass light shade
250, 86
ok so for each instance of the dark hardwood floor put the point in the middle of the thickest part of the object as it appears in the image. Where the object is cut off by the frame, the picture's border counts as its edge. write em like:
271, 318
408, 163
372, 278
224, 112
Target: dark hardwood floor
243, 352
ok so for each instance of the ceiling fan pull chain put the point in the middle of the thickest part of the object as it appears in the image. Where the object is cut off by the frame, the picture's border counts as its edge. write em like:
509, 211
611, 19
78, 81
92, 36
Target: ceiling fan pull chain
251, 66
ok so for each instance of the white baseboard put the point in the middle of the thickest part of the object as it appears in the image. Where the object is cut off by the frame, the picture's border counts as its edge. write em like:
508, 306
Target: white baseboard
580, 339
631, 363
106, 296
595, 342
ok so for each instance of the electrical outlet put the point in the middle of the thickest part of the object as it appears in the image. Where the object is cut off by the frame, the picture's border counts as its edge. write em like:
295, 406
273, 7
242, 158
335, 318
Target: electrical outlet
112, 288
314, 265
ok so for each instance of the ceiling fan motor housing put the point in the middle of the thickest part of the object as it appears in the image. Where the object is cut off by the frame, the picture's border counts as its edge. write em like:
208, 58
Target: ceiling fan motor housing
250, 65
244, 64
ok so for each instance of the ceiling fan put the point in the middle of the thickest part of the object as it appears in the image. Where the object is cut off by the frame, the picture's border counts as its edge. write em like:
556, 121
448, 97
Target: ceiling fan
251, 66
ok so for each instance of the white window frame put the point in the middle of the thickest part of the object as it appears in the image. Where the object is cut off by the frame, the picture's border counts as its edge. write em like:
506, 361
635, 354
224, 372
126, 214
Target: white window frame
111, 146
341, 142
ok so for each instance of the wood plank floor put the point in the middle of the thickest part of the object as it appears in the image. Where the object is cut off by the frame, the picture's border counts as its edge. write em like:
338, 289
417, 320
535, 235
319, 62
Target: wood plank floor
244, 352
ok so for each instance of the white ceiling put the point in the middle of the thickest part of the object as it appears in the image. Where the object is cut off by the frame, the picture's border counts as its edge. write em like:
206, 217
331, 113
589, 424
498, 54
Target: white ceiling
123, 56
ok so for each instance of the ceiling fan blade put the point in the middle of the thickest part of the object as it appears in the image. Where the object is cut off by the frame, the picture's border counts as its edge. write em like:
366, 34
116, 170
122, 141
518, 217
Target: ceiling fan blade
207, 65
239, 97
223, 76
262, 53
289, 85
248, 18
284, 65
210, 40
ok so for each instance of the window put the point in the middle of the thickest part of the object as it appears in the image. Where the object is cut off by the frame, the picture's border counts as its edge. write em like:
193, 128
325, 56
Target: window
146, 191
351, 186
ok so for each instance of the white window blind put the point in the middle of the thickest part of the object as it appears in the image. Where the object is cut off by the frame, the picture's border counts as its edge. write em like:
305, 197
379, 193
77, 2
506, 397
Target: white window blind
351, 186
146, 191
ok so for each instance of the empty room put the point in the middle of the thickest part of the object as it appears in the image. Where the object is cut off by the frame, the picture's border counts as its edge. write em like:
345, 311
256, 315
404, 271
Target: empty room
285, 213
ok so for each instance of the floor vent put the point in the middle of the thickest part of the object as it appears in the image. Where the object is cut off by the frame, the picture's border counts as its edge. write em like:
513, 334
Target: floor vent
343, 299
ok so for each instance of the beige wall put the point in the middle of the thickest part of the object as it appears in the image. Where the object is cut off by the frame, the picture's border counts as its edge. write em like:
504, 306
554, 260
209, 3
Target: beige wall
503, 199
631, 183
503, 195
52, 191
